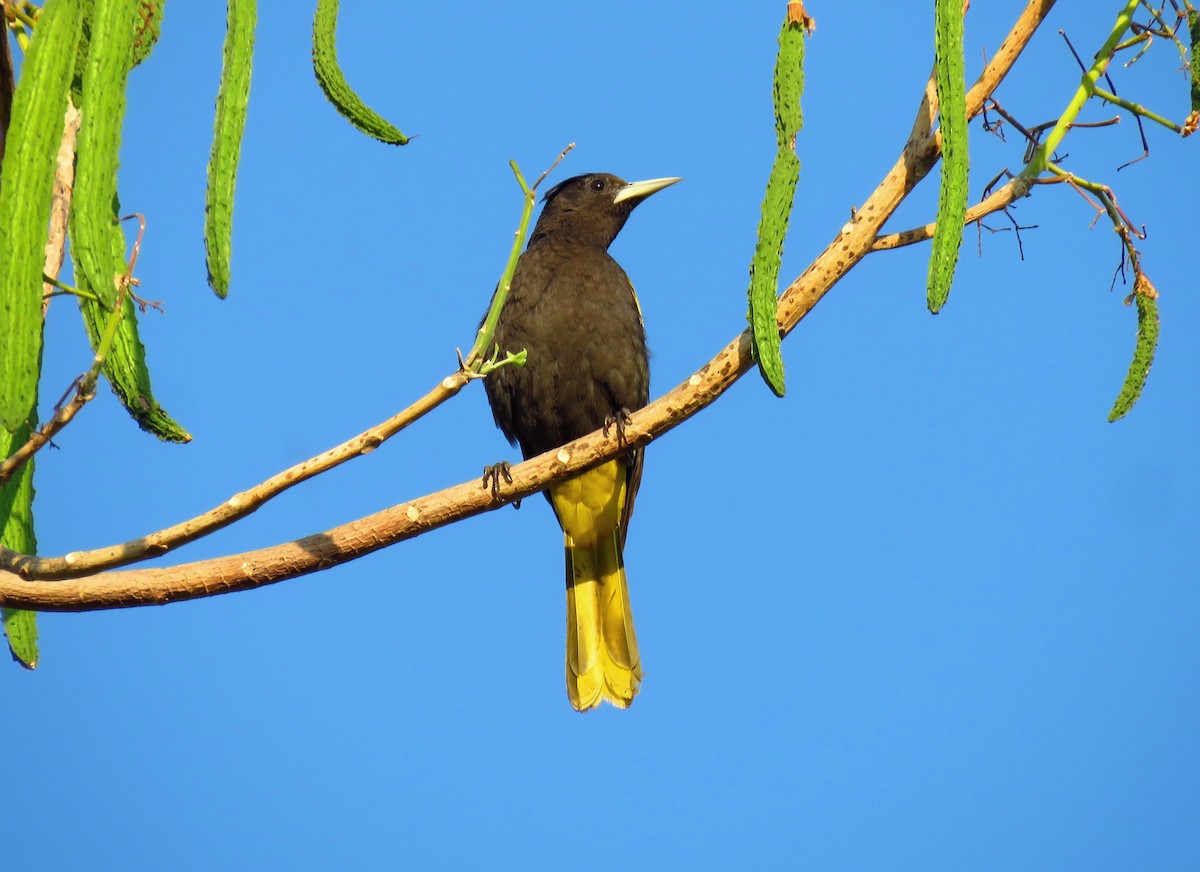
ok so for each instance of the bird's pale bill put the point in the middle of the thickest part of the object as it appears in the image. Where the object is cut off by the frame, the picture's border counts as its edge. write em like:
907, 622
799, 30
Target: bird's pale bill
638, 190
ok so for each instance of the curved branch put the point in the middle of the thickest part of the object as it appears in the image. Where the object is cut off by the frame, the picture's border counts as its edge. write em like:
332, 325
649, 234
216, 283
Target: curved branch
80, 563
410, 519
404, 521
993, 74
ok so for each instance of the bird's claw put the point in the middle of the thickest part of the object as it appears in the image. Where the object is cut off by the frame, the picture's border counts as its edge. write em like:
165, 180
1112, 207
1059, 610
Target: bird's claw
617, 421
493, 474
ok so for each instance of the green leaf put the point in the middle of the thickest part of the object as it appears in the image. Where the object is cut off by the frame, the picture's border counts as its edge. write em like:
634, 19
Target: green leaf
16, 532
97, 241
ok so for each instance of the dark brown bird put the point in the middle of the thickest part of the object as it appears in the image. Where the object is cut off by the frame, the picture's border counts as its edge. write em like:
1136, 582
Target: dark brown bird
573, 309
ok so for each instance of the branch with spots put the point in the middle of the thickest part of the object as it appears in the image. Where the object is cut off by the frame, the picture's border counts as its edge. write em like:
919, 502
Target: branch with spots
77, 582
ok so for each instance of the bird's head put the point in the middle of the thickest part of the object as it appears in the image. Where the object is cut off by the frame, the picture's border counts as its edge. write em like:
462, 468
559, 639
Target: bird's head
593, 207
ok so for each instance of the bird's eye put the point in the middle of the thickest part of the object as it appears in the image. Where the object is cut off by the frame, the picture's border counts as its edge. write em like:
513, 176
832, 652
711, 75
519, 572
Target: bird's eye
598, 185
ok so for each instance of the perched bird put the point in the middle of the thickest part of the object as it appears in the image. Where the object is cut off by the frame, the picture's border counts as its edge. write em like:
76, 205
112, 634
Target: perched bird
573, 309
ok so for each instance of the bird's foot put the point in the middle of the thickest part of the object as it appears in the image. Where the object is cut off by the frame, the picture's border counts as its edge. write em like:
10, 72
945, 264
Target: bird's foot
493, 474
617, 421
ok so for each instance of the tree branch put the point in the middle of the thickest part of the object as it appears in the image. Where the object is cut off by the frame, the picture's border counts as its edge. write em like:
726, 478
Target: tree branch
1001, 198
409, 519
79, 563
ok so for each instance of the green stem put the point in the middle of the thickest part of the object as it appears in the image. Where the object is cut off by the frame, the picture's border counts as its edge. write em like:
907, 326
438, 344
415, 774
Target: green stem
22, 16
1136, 109
67, 289
106, 339
1087, 87
1104, 194
1094, 187
1132, 41
475, 360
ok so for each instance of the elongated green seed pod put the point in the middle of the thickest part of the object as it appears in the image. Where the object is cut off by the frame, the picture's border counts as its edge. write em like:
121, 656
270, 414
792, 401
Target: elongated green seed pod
1146, 298
952, 110
777, 201
16, 532
233, 97
20, 626
333, 83
110, 57
125, 364
97, 242
146, 23
25, 189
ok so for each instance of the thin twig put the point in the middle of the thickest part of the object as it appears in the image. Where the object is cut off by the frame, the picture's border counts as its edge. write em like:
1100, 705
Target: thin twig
84, 386
477, 362
1137, 109
1000, 199
1108, 202
237, 506
550, 168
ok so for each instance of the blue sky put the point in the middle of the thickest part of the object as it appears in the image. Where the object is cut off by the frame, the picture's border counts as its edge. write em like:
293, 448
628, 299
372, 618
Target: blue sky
930, 611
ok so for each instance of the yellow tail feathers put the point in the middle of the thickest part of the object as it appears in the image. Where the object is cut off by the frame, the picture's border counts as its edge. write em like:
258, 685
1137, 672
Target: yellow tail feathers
602, 652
